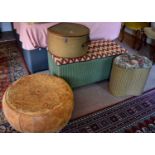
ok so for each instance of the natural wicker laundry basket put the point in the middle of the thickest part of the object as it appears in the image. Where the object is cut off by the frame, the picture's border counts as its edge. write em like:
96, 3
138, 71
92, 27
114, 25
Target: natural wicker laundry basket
127, 81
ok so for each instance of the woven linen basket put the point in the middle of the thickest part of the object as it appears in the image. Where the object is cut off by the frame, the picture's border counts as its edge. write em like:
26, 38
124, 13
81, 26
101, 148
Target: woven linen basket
82, 73
127, 81
95, 66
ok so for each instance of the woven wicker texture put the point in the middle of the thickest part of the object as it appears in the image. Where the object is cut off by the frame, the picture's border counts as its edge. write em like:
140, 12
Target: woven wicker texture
93, 67
124, 82
82, 73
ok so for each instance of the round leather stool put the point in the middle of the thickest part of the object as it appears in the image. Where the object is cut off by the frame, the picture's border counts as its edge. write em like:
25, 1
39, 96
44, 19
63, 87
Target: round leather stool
38, 103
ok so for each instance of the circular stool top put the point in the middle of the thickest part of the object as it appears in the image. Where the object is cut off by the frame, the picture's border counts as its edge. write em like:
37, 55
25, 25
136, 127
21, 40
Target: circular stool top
69, 30
150, 32
38, 94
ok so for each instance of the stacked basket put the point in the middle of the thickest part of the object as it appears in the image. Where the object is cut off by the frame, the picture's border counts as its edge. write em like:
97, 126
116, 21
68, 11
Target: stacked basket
76, 59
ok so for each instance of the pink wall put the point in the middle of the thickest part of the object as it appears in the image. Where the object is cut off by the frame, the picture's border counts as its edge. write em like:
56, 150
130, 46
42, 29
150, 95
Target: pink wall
104, 30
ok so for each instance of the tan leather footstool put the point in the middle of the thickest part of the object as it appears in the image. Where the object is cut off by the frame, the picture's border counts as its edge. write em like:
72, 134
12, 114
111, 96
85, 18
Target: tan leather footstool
38, 103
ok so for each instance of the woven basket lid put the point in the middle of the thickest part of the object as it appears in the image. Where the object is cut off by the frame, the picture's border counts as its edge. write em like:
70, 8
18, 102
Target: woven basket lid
69, 30
38, 94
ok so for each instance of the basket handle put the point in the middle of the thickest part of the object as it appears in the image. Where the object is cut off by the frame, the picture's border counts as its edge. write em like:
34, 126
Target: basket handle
85, 45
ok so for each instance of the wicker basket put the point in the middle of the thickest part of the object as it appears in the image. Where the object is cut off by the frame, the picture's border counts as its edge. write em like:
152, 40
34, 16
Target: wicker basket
68, 40
93, 67
83, 73
124, 82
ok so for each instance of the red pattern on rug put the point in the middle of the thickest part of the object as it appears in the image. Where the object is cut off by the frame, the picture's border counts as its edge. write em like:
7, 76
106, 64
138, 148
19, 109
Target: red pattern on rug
4, 79
146, 126
11, 60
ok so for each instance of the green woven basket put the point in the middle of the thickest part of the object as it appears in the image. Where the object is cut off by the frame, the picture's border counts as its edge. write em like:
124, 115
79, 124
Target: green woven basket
124, 82
82, 73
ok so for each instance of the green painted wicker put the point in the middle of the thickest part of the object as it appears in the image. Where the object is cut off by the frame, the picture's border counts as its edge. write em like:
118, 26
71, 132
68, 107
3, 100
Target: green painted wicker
83, 73
124, 82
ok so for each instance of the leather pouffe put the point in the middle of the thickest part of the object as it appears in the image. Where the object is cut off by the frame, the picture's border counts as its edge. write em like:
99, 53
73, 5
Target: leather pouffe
38, 103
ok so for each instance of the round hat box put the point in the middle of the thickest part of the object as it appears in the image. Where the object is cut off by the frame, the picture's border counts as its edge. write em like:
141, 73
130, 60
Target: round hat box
38, 103
68, 40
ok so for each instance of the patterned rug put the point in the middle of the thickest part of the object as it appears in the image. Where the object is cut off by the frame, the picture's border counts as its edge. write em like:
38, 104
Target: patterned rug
12, 65
136, 114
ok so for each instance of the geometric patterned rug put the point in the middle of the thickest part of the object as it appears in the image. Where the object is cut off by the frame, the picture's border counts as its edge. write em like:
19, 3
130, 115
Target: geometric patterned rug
136, 114
12, 65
